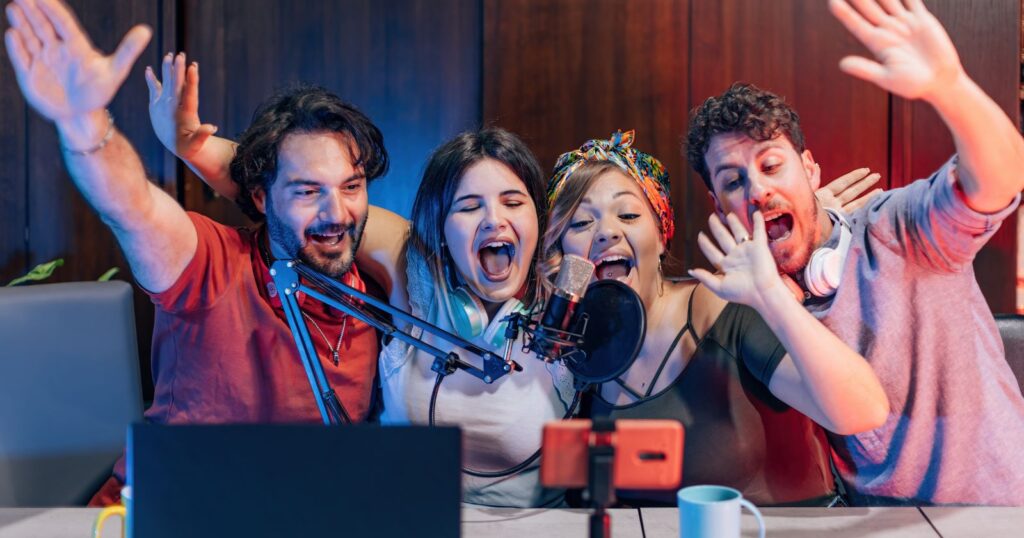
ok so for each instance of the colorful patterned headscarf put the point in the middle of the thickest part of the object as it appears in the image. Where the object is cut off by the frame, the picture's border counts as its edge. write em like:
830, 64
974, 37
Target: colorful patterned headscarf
648, 172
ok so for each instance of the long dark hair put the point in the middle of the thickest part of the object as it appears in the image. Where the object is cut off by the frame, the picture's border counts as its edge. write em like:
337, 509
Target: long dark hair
441, 179
300, 108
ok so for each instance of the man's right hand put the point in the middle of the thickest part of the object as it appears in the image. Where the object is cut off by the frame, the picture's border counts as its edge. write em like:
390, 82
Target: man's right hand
60, 72
174, 107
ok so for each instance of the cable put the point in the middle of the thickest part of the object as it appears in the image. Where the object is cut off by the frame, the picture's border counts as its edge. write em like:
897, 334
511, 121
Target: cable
505, 472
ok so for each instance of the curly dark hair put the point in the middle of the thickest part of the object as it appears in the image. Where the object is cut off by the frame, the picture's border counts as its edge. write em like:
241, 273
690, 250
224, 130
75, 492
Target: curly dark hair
305, 109
743, 108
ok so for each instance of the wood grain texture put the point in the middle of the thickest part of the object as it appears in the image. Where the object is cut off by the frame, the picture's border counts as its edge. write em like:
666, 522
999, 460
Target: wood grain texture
793, 49
14, 173
987, 35
413, 66
558, 73
61, 224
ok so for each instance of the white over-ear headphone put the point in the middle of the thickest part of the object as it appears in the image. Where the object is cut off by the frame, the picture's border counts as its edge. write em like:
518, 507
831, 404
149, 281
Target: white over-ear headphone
824, 269
470, 319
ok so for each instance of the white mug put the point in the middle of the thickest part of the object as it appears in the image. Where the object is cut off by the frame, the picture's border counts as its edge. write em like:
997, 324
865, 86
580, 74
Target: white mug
713, 512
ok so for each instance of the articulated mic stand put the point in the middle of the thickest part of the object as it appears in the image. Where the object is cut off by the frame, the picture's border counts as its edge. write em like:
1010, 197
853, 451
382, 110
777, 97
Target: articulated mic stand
600, 469
286, 275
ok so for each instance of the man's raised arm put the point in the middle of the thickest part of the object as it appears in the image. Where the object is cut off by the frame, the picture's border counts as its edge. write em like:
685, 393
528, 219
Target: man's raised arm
915, 59
70, 83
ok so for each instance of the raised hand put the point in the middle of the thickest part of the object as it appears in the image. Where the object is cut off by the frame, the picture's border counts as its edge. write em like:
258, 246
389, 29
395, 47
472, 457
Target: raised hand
59, 70
174, 107
841, 194
914, 57
747, 268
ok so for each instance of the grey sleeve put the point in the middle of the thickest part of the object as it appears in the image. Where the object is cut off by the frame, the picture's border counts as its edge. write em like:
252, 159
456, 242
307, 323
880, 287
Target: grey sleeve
929, 224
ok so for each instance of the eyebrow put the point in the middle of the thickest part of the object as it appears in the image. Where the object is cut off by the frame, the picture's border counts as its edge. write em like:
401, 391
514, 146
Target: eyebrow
587, 200
767, 145
503, 193
313, 183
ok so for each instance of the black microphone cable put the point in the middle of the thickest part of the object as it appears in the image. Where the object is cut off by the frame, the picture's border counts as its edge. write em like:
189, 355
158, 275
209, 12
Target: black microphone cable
515, 468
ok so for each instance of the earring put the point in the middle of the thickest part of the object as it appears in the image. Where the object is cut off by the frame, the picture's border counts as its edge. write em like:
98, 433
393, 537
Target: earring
661, 280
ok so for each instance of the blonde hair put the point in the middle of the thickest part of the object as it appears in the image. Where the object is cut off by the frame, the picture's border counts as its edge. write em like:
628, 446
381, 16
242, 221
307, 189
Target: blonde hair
562, 209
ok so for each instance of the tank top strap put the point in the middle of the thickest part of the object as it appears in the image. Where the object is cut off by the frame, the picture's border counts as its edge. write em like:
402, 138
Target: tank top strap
688, 326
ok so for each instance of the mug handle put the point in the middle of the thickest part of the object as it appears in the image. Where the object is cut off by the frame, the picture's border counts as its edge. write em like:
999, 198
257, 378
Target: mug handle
757, 513
116, 510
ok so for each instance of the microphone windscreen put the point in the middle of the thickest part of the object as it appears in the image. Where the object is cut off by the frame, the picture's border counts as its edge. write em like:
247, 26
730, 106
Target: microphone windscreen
615, 330
574, 275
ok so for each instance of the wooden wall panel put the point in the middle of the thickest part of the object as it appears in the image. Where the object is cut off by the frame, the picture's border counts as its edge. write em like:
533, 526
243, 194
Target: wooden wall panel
560, 72
60, 222
987, 36
413, 66
13, 173
793, 49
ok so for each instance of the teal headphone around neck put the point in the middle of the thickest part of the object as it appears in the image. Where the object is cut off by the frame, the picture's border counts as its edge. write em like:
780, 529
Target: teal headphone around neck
470, 319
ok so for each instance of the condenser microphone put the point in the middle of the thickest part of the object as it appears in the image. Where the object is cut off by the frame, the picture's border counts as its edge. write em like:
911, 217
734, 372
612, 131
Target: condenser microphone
574, 274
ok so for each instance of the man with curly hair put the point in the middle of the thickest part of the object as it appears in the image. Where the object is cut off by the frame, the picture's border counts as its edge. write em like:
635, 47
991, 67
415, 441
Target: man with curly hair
222, 349
894, 280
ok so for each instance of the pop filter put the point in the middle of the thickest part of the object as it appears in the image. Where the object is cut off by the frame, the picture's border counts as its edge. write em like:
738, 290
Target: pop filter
616, 323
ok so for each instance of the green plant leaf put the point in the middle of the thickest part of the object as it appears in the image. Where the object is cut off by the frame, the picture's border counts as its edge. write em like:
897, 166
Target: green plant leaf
108, 275
39, 272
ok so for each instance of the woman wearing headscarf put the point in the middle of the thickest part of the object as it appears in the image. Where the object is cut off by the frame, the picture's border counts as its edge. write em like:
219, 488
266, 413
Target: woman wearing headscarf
753, 402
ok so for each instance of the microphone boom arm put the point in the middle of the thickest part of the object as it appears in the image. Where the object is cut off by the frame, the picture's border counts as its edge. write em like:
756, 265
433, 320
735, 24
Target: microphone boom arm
341, 296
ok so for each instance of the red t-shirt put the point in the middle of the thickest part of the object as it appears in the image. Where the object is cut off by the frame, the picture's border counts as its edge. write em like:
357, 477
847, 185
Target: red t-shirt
223, 352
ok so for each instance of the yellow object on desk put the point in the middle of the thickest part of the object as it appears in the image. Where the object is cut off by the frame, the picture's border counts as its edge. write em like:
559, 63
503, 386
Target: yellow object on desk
122, 510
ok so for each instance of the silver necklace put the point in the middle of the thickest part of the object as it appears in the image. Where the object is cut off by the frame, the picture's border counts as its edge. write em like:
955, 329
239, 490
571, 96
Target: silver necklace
344, 322
337, 347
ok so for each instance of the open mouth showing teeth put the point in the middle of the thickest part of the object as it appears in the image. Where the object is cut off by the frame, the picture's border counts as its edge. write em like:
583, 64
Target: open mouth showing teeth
496, 259
329, 239
612, 268
779, 227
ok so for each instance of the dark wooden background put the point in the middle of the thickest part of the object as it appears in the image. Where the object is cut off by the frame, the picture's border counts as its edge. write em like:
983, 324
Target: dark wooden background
557, 72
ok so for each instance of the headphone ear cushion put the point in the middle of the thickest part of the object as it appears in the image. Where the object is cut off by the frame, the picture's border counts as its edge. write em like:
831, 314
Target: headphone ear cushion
831, 269
823, 264
469, 317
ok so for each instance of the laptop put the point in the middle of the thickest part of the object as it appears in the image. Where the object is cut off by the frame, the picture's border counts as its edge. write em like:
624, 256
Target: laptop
294, 480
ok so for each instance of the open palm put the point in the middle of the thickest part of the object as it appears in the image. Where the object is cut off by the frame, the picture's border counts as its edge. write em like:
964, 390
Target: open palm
747, 268
914, 56
174, 107
59, 71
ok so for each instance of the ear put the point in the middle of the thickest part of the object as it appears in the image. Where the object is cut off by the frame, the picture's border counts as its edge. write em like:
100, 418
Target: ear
812, 168
718, 205
259, 197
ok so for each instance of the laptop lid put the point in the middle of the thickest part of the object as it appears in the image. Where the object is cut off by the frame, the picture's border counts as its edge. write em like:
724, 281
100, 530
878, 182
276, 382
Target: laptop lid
293, 480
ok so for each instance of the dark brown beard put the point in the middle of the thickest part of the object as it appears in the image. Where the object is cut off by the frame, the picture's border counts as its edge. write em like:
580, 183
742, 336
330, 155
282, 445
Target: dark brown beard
334, 266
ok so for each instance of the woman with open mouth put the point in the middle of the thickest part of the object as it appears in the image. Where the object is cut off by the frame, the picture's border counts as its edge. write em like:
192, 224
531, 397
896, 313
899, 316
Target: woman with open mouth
467, 261
470, 262
754, 413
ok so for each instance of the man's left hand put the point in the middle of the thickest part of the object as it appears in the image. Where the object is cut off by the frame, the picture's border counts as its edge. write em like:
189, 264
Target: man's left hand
914, 57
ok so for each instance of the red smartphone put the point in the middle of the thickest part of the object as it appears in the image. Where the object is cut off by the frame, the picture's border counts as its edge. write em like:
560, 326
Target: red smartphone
648, 454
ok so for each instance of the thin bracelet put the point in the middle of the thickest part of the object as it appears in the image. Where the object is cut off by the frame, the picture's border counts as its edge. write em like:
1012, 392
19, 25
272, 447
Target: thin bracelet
102, 143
